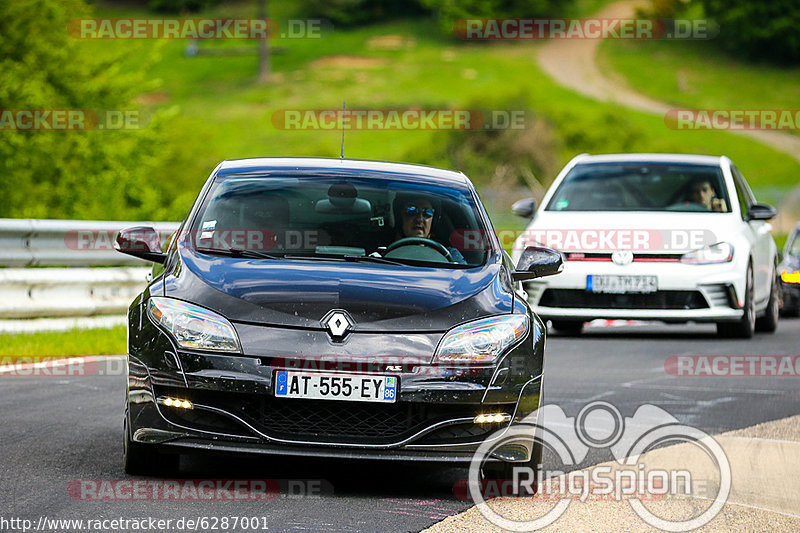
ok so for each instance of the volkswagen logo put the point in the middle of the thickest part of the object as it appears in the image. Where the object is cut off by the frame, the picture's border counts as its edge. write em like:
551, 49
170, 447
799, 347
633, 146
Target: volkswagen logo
622, 257
338, 323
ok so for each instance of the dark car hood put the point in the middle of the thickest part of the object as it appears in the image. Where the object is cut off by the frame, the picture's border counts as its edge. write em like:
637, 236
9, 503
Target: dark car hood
300, 293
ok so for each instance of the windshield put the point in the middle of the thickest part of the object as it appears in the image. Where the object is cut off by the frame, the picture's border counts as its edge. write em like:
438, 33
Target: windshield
641, 187
377, 220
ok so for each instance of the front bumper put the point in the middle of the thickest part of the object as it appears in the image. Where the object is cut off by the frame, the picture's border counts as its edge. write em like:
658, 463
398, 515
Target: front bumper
686, 293
234, 410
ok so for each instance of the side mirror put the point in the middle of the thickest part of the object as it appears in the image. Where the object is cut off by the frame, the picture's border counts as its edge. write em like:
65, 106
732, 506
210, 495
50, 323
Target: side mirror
761, 212
142, 242
524, 208
537, 262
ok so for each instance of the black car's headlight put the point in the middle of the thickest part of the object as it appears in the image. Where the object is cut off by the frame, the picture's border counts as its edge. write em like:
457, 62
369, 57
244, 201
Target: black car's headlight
193, 326
482, 341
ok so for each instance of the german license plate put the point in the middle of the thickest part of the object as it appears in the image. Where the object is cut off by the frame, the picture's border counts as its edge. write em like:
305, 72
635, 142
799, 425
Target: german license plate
621, 284
331, 386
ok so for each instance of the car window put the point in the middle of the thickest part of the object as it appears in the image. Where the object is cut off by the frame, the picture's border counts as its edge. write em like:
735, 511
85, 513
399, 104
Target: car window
314, 216
743, 193
794, 247
641, 187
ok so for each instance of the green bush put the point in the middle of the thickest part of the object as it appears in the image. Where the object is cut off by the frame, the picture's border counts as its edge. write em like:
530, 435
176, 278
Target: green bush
450, 11
87, 173
357, 12
758, 30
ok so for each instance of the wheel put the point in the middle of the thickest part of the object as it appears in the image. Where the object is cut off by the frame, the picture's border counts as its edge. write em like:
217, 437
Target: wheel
769, 322
745, 326
144, 460
503, 471
567, 327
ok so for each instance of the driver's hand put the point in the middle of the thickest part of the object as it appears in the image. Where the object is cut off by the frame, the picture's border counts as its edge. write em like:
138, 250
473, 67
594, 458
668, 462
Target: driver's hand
718, 204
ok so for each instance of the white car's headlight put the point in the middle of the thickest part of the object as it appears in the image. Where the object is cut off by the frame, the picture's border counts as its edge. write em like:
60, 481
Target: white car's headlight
722, 252
482, 341
192, 326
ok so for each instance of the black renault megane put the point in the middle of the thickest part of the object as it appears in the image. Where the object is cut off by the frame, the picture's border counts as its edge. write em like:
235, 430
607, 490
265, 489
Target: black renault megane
331, 308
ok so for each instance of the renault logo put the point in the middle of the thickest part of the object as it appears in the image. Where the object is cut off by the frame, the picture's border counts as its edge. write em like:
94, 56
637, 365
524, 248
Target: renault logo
338, 322
622, 257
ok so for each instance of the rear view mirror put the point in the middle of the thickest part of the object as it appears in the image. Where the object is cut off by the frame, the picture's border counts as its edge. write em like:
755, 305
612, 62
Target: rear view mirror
761, 212
524, 208
142, 242
537, 262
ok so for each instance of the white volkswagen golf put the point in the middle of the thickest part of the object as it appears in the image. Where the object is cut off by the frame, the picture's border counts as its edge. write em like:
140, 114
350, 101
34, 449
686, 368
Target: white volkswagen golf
675, 238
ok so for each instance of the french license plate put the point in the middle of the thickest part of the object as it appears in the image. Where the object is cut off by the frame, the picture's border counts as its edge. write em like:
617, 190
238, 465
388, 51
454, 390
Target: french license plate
621, 284
330, 386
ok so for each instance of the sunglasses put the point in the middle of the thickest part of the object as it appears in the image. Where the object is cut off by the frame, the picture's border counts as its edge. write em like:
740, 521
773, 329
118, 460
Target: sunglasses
412, 211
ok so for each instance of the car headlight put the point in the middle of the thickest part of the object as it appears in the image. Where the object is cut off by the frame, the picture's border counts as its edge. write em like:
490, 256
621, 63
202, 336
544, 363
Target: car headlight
482, 341
722, 252
192, 326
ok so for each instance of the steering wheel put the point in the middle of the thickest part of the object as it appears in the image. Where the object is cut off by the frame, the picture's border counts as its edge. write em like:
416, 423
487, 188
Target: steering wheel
410, 241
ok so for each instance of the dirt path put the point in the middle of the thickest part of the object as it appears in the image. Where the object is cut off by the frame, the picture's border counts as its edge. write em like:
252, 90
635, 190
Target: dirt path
573, 64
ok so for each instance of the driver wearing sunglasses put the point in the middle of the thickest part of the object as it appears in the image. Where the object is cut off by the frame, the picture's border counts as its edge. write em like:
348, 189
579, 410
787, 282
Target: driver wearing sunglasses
416, 220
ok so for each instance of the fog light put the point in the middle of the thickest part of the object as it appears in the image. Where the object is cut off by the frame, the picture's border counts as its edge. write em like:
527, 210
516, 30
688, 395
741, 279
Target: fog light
492, 418
175, 402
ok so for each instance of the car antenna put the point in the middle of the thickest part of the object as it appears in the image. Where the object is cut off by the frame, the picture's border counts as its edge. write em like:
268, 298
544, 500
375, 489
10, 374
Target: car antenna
343, 107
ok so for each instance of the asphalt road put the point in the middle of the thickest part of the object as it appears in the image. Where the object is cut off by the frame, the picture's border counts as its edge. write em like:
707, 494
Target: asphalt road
56, 430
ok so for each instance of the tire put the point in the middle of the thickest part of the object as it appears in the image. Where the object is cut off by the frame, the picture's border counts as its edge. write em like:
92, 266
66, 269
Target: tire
567, 327
505, 471
769, 322
745, 326
144, 460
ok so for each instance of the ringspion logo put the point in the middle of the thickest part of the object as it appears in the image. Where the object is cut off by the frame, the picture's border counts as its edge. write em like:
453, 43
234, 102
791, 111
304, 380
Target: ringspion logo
632, 477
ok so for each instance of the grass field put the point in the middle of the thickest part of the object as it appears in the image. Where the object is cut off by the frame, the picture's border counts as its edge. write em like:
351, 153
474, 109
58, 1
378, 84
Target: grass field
226, 114
105, 341
696, 74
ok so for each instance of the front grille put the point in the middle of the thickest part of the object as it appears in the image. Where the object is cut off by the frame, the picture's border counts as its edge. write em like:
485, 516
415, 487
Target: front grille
289, 417
579, 298
327, 420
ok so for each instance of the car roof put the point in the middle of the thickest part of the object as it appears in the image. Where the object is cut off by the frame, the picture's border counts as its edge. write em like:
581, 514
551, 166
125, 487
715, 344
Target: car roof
321, 165
651, 158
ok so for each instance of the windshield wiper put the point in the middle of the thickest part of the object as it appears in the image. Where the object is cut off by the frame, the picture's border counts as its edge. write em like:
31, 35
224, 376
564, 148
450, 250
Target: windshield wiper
238, 252
372, 259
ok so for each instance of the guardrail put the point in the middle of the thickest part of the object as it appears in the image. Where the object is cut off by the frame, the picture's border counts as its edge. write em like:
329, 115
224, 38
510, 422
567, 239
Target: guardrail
32, 293
68, 292
31, 242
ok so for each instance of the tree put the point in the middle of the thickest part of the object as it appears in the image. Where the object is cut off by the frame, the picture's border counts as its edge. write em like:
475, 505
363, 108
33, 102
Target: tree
758, 30
78, 173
